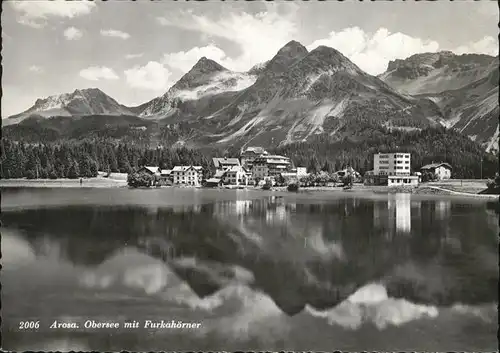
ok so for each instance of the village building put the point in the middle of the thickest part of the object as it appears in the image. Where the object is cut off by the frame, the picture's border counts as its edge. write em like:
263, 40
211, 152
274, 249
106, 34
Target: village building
153, 172
225, 163
391, 169
187, 175
391, 163
270, 166
236, 175
216, 180
394, 180
342, 173
166, 176
150, 170
294, 175
249, 155
440, 170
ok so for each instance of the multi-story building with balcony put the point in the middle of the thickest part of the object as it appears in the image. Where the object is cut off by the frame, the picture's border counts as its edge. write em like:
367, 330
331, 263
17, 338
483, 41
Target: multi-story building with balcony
249, 155
270, 166
225, 163
392, 164
391, 169
187, 175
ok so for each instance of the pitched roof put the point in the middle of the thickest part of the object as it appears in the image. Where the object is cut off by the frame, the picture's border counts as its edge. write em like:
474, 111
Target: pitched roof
236, 168
183, 168
213, 180
219, 173
274, 159
436, 165
225, 161
166, 171
151, 169
256, 150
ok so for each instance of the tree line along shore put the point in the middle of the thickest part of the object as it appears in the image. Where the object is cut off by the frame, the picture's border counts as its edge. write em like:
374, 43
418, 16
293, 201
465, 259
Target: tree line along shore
84, 158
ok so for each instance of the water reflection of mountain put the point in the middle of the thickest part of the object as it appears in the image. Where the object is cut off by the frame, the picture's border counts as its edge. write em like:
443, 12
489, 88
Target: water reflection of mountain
316, 254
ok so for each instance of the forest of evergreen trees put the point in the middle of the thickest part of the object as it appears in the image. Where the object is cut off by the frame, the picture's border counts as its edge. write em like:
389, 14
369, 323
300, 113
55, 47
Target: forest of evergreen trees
467, 157
74, 159
71, 159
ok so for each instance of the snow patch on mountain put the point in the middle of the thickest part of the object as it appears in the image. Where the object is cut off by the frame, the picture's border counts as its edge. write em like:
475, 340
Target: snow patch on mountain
220, 83
312, 79
245, 128
489, 104
90, 101
243, 109
493, 142
435, 99
317, 117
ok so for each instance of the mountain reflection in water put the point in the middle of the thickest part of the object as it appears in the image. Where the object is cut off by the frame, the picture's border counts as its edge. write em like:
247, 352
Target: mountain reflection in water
265, 273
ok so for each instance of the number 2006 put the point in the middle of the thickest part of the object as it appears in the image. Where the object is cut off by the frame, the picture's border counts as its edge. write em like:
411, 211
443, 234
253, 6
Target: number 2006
25, 325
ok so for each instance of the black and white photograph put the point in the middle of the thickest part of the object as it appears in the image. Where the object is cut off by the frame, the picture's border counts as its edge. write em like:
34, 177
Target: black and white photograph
249, 176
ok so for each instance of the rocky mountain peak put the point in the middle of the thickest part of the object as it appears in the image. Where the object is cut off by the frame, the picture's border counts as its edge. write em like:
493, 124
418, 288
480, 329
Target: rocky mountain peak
286, 56
200, 73
429, 61
293, 47
330, 58
205, 65
88, 101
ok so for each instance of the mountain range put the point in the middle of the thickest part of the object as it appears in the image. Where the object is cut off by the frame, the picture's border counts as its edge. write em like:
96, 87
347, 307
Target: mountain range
298, 95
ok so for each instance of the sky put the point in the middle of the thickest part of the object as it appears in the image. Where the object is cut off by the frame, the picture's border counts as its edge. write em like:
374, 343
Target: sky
135, 51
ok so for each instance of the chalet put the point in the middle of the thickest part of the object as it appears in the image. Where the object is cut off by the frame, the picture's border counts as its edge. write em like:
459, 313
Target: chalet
149, 170
224, 163
187, 175
217, 179
236, 175
166, 176
440, 170
342, 173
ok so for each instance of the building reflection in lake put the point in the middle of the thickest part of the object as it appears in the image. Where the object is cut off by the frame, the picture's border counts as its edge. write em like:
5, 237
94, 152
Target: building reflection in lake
276, 213
443, 209
403, 213
394, 214
242, 206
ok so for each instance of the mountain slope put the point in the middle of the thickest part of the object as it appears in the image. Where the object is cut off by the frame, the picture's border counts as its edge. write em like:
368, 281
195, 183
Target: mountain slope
473, 110
83, 102
463, 87
295, 96
203, 90
120, 127
298, 95
436, 72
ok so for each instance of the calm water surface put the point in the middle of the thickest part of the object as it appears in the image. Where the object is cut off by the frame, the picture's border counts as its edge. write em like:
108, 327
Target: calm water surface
256, 270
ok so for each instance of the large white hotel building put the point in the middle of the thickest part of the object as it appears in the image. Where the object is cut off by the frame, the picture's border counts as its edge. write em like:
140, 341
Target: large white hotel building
391, 164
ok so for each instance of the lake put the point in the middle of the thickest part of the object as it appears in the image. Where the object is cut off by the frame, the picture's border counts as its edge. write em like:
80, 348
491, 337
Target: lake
247, 270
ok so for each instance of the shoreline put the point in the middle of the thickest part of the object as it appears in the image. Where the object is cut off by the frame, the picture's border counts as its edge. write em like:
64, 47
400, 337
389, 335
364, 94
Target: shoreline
102, 182
96, 182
